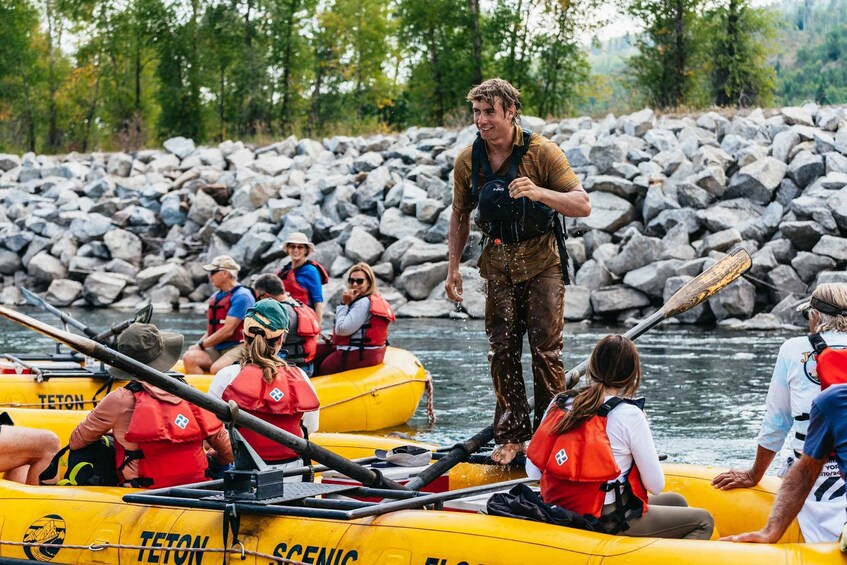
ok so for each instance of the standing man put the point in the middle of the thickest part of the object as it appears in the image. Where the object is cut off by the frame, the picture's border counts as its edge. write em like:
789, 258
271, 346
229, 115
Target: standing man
796, 382
516, 183
227, 309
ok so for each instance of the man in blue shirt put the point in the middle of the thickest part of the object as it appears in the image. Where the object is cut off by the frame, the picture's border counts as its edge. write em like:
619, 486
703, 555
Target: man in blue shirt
827, 435
227, 309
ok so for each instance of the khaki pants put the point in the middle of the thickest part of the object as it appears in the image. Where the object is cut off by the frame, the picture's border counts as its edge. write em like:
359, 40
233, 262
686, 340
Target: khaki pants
669, 516
534, 307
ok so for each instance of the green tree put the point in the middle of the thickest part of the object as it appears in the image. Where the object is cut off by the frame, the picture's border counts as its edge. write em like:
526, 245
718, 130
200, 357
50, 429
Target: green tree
440, 47
21, 74
664, 65
740, 71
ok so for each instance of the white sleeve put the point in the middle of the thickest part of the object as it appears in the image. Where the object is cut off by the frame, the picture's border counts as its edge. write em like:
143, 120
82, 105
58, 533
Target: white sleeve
311, 420
532, 472
223, 379
778, 420
644, 452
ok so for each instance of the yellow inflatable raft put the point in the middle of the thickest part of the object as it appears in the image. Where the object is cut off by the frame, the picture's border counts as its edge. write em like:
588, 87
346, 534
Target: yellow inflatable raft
368, 399
185, 527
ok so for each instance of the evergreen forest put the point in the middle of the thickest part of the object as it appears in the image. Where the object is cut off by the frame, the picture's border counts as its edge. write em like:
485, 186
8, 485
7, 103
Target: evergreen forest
85, 75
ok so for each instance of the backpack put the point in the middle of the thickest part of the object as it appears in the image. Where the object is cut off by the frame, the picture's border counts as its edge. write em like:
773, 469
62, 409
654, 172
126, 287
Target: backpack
93, 465
524, 503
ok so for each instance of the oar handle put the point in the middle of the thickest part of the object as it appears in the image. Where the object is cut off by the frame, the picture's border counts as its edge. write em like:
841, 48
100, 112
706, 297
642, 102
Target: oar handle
460, 452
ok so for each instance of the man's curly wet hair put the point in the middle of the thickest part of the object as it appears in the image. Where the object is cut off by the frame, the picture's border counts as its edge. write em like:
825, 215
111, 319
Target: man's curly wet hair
497, 89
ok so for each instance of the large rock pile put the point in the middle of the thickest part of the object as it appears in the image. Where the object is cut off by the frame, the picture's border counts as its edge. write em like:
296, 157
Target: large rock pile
670, 195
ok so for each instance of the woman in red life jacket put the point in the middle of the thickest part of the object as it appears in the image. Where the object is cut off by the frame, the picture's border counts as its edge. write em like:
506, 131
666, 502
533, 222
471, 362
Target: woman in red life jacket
159, 437
595, 454
303, 277
267, 387
360, 335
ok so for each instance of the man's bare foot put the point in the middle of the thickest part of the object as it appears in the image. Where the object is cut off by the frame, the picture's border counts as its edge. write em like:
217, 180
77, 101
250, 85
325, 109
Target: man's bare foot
506, 453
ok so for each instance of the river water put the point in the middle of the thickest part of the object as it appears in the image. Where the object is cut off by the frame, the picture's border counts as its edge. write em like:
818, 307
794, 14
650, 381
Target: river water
705, 387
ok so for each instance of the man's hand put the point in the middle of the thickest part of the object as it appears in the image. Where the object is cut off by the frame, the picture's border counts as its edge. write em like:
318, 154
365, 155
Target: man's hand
453, 286
734, 478
523, 187
762, 536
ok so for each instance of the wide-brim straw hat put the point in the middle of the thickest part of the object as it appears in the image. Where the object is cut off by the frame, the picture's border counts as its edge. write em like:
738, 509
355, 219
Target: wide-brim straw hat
147, 345
299, 238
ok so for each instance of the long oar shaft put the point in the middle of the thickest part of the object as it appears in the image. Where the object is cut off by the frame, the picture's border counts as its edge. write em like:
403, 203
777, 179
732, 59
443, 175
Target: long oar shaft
694, 292
217, 406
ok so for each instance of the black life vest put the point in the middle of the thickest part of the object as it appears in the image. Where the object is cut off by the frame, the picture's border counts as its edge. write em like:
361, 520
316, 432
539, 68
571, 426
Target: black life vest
504, 219
831, 362
499, 216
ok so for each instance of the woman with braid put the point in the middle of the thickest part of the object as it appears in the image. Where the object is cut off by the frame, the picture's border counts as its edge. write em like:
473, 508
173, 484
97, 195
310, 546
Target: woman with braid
267, 387
595, 454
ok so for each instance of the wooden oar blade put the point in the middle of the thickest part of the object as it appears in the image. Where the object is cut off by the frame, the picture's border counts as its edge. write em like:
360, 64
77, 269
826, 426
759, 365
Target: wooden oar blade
708, 283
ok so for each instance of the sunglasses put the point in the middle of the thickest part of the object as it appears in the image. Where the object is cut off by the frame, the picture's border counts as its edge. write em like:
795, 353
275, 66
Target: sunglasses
297, 246
215, 271
351, 280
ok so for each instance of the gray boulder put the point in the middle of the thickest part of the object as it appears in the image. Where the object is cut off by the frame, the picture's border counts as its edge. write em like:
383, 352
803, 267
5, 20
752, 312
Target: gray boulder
651, 279
578, 303
805, 168
736, 300
362, 246
757, 181
831, 246
63, 292
608, 213
785, 281
808, 265
639, 251
418, 281
43, 267
695, 315
102, 289
617, 298
124, 245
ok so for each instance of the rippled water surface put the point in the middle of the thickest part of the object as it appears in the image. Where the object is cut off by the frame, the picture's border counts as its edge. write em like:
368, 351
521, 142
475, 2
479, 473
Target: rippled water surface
705, 387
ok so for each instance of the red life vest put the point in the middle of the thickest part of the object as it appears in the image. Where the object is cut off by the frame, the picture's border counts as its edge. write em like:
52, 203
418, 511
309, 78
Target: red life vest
577, 466
300, 345
281, 402
293, 288
170, 437
831, 362
216, 315
376, 329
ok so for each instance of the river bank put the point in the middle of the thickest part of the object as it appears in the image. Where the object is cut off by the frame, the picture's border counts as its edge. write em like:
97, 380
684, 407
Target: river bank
669, 196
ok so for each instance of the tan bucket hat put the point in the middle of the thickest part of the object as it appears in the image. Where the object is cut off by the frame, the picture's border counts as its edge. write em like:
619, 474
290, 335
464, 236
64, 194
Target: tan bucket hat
299, 238
146, 344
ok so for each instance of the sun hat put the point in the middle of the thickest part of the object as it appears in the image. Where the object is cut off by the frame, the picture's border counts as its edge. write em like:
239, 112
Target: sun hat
266, 318
146, 344
222, 262
406, 456
299, 238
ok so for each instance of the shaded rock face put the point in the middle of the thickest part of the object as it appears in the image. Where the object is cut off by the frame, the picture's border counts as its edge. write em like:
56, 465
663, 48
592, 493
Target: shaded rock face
669, 197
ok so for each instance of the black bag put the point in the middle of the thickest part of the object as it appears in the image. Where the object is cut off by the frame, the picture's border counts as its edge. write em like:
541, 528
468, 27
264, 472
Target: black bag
524, 503
93, 465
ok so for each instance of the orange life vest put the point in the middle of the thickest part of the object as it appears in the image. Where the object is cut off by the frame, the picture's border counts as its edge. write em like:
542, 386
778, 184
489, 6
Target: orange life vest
376, 329
577, 466
281, 403
293, 287
831, 362
216, 315
300, 345
170, 437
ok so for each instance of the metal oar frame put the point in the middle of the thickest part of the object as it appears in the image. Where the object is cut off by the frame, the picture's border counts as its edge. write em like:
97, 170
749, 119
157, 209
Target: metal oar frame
307, 500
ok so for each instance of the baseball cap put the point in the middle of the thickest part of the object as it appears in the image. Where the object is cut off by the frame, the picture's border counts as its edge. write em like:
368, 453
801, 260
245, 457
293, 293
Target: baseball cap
222, 262
406, 456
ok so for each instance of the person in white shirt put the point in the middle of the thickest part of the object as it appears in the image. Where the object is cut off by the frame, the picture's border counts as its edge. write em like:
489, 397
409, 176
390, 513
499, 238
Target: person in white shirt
793, 387
594, 454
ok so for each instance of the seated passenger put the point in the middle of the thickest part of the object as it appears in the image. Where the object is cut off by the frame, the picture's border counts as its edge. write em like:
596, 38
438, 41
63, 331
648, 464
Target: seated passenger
268, 387
303, 277
159, 437
25, 452
301, 342
595, 455
225, 315
360, 335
